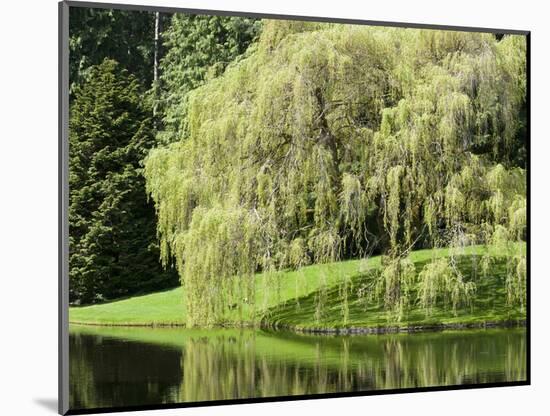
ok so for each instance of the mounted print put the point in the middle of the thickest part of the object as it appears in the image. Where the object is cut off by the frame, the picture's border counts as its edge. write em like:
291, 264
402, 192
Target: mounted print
261, 207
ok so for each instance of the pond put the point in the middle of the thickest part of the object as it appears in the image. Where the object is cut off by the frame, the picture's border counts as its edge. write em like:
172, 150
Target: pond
112, 367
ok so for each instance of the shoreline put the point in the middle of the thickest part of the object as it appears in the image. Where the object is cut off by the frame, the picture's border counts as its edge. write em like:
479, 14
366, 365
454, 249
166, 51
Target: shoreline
378, 330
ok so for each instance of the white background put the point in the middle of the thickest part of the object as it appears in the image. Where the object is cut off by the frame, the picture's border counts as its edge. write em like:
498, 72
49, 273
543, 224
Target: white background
28, 205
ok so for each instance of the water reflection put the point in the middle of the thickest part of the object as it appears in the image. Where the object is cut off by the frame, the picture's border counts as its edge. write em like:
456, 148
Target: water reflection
112, 367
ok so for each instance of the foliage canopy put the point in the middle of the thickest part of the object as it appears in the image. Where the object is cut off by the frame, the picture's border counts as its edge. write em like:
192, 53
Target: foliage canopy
198, 48
124, 36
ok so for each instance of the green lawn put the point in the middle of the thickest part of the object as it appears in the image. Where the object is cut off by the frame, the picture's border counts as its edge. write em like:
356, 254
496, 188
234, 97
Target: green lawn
291, 300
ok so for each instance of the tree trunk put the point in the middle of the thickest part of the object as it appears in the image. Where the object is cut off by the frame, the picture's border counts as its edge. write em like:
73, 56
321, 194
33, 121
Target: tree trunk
156, 59
157, 46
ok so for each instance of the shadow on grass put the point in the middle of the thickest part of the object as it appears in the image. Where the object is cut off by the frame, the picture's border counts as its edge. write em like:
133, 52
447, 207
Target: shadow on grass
489, 303
131, 296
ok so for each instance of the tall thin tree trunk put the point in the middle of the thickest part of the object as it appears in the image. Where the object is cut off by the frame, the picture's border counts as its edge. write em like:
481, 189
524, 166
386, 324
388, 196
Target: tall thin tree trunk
156, 59
157, 41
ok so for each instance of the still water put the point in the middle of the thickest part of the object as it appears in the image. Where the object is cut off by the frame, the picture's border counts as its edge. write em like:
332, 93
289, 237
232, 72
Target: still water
112, 367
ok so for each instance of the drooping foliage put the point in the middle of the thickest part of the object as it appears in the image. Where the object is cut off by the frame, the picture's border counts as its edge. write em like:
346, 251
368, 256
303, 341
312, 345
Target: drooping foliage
330, 141
112, 243
197, 48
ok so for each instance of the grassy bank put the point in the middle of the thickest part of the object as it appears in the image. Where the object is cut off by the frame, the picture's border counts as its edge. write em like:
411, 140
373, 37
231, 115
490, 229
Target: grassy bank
289, 300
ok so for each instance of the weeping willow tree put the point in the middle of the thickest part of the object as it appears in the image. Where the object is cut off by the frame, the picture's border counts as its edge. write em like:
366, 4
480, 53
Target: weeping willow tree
328, 141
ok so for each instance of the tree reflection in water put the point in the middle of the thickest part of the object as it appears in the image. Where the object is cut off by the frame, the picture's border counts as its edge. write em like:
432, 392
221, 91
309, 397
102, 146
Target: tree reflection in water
112, 367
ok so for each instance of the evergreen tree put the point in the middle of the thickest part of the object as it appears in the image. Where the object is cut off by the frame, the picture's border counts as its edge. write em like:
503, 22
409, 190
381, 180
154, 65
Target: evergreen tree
128, 37
112, 224
197, 47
